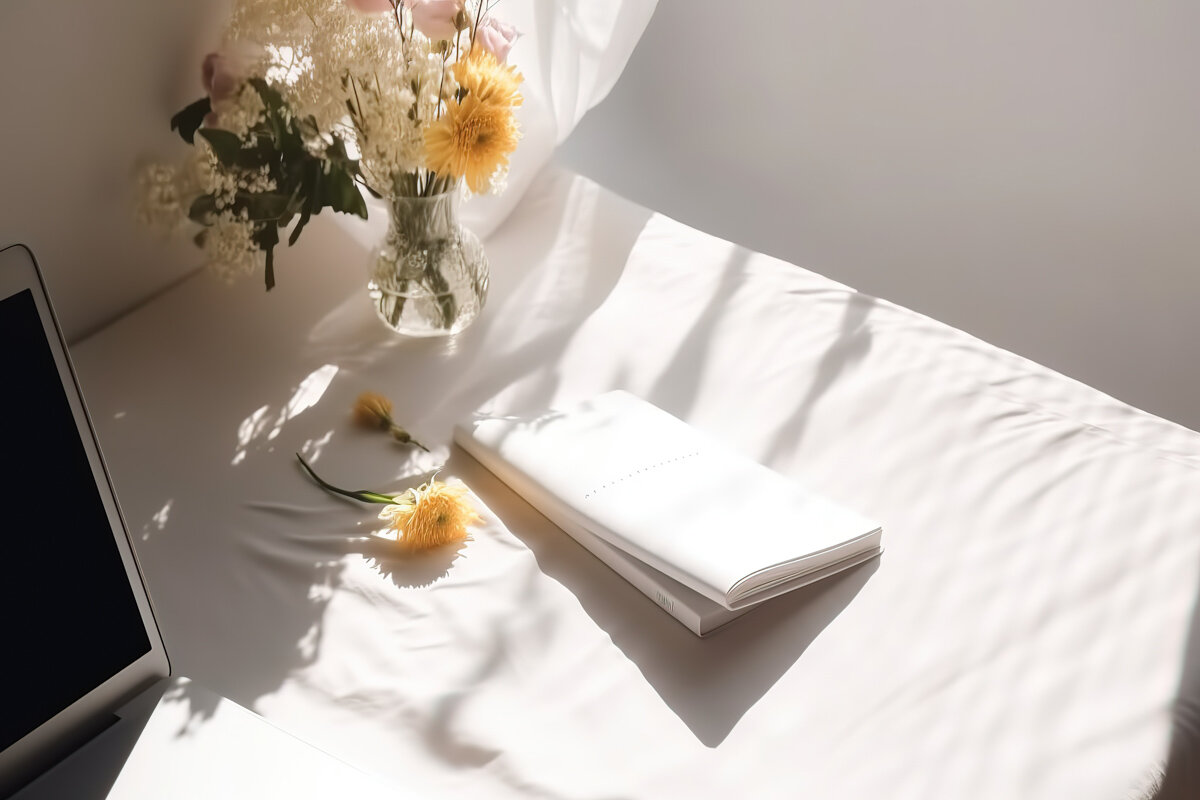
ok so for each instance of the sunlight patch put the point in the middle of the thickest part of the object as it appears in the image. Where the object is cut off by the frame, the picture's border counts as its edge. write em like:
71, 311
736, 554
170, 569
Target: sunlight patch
311, 449
259, 424
159, 521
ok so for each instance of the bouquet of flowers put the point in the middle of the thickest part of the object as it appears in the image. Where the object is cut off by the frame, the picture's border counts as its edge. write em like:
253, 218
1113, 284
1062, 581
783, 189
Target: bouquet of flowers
309, 103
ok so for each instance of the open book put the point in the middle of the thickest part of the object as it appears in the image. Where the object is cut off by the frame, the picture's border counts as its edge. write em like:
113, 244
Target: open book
704, 531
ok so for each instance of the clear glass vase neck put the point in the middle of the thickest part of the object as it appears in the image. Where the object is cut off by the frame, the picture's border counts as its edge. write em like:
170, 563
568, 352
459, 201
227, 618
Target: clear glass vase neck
423, 217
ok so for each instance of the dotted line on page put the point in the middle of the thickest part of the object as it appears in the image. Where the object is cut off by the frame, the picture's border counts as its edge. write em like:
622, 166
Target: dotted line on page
640, 471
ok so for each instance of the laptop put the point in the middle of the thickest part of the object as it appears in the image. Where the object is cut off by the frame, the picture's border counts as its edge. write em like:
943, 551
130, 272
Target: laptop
88, 704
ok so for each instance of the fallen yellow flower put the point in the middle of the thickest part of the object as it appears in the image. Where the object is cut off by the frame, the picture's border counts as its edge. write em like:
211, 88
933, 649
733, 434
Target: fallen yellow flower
431, 516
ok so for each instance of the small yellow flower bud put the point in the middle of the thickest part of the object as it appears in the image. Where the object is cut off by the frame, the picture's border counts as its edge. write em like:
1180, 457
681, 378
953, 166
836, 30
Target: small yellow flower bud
404, 437
373, 410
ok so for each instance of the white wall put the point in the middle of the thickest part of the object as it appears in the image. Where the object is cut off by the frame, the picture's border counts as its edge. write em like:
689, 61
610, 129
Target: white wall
1027, 170
86, 89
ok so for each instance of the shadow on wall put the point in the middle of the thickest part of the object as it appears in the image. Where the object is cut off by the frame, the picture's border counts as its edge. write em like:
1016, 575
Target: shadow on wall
1009, 170
95, 85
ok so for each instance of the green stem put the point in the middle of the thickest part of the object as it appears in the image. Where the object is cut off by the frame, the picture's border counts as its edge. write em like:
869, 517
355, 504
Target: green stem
398, 307
402, 436
475, 26
441, 291
399, 23
354, 86
362, 495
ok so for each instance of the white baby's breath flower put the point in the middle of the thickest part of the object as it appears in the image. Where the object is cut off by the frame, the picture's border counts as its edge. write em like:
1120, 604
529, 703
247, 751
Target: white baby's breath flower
230, 251
389, 141
159, 205
239, 113
498, 181
225, 182
354, 74
286, 65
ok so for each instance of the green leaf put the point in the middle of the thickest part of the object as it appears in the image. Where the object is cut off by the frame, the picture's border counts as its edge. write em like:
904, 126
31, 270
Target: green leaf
307, 127
271, 98
284, 133
269, 273
307, 190
336, 152
264, 206
227, 146
291, 147
264, 132
266, 238
371, 192
316, 181
305, 215
190, 119
341, 193
202, 208
296, 201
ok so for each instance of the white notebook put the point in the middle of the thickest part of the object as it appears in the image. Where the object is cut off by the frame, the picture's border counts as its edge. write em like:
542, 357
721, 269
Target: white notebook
704, 531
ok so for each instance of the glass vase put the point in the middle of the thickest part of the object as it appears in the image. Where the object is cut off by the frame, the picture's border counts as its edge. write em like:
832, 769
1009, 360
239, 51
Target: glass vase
429, 277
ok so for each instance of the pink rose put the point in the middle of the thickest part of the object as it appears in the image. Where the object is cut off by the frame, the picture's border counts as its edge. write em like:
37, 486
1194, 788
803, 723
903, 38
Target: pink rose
437, 19
220, 78
224, 72
370, 6
496, 37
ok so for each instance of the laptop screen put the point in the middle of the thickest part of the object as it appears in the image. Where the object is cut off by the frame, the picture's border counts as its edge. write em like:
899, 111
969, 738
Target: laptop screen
71, 621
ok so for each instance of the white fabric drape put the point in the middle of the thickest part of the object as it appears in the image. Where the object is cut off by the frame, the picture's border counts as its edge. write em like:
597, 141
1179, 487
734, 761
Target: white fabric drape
571, 53
1026, 633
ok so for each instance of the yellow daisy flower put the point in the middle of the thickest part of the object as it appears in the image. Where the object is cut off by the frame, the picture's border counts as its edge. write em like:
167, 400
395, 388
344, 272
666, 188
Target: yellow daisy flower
430, 516
477, 133
472, 140
481, 75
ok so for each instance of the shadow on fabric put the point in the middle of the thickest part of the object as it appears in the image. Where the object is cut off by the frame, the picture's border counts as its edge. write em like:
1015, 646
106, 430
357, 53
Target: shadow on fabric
708, 683
1180, 779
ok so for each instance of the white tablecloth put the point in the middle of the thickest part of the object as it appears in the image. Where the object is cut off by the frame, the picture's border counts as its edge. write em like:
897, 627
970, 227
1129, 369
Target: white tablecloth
1025, 634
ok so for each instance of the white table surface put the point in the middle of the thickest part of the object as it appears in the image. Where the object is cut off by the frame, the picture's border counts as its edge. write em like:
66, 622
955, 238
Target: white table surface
1024, 635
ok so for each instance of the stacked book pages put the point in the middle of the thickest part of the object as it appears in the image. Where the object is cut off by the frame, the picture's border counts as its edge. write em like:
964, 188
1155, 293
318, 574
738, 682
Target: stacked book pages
703, 531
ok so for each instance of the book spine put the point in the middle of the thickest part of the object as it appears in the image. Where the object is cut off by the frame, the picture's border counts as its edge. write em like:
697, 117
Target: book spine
621, 565
551, 508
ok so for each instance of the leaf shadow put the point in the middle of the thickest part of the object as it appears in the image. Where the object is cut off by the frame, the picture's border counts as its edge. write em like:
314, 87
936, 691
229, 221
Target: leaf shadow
852, 345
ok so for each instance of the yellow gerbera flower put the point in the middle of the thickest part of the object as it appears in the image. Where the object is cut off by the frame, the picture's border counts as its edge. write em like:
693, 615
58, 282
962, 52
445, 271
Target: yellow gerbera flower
430, 516
472, 140
481, 75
